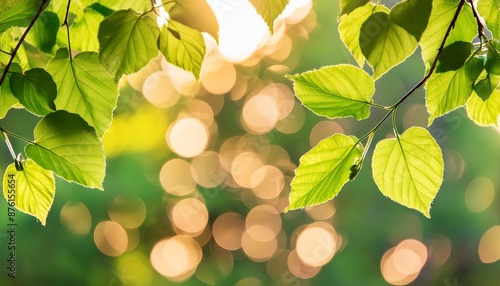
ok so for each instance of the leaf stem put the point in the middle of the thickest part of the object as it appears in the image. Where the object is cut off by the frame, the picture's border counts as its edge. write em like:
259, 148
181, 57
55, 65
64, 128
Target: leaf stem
65, 23
21, 40
480, 26
17, 136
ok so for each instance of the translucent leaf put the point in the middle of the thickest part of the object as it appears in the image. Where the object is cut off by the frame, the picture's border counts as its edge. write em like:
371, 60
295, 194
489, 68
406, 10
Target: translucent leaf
350, 28
84, 88
492, 64
182, 46
409, 169
68, 146
447, 91
323, 171
336, 91
7, 99
32, 189
347, 6
412, 15
18, 15
385, 44
196, 14
35, 90
490, 11
484, 111
442, 13
83, 32
486, 85
44, 32
454, 56
137, 5
6, 4
128, 41
60, 6
269, 10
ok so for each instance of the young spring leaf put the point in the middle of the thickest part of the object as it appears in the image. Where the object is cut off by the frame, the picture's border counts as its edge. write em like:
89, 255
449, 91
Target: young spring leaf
269, 10
323, 171
182, 46
196, 14
350, 28
484, 110
68, 146
492, 64
6, 4
442, 14
409, 169
447, 91
7, 99
336, 91
490, 11
44, 32
33, 189
347, 6
384, 44
128, 41
454, 56
136, 5
19, 15
83, 32
84, 88
412, 15
35, 90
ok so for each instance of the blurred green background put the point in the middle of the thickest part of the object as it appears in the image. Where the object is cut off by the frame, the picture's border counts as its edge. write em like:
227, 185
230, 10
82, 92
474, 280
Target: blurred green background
136, 231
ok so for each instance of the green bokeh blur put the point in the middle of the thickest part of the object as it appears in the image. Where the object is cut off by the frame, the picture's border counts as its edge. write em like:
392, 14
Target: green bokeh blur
368, 222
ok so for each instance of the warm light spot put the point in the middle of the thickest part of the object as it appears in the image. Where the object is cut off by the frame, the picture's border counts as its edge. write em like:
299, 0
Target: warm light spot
415, 115
134, 238
455, 164
282, 49
176, 179
277, 268
228, 229
128, 211
299, 269
243, 167
267, 182
217, 266
219, 81
264, 215
316, 245
391, 274
489, 246
479, 194
260, 114
439, 250
159, 90
176, 258
75, 216
400, 265
239, 89
137, 79
198, 109
110, 238
296, 11
183, 81
322, 130
188, 137
258, 249
207, 170
293, 122
190, 215
322, 211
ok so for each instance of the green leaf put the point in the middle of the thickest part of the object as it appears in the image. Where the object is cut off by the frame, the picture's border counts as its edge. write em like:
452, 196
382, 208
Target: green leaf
490, 11
137, 5
350, 28
7, 99
442, 13
44, 32
454, 56
486, 85
447, 91
33, 189
492, 64
412, 15
336, 91
347, 6
182, 46
84, 88
68, 146
7, 4
269, 10
128, 41
409, 169
196, 14
35, 90
19, 15
323, 171
83, 32
385, 44
484, 110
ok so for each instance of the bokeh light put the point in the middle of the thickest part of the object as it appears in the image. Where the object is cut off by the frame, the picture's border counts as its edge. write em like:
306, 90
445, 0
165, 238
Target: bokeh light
401, 265
479, 194
75, 216
188, 137
190, 215
176, 179
489, 248
316, 244
110, 238
128, 211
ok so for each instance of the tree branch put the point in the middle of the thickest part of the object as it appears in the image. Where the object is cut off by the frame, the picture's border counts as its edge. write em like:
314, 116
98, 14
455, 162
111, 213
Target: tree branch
21, 40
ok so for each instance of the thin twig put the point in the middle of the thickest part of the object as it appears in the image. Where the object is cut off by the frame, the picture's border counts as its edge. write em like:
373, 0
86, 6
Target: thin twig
67, 29
21, 40
480, 26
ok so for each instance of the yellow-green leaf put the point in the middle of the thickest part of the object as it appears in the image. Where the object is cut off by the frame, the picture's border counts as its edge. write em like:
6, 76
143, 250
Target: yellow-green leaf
196, 14
269, 10
484, 110
83, 32
347, 6
490, 11
32, 189
409, 169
